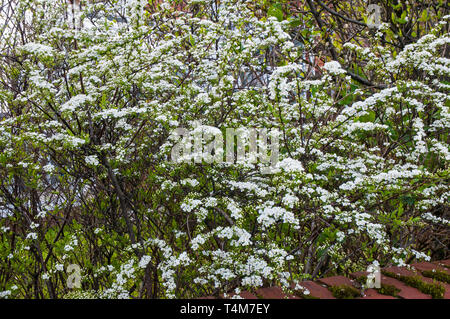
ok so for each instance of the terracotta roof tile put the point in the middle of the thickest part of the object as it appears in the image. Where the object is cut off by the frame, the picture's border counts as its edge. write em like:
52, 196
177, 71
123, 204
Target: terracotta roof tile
319, 288
337, 281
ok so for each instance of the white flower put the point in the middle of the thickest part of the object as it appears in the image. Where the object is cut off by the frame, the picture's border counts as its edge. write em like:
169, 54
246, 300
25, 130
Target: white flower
290, 200
290, 165
5, 294
190, 204
270, 215
91, 160
74, 103
49, 168
334, 68
144, 261
38, 49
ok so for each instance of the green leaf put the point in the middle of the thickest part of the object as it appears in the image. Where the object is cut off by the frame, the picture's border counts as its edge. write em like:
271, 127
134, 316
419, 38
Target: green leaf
393, 17
346, 100
409, 200
424, 16
295, 23
370, 117
400, 210
402, 19
276, 11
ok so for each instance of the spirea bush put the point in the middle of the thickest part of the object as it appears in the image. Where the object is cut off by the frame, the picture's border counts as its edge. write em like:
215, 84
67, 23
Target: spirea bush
89, 104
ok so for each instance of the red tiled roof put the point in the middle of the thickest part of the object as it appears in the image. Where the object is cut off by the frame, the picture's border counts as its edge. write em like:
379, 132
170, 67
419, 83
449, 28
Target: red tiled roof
322, 288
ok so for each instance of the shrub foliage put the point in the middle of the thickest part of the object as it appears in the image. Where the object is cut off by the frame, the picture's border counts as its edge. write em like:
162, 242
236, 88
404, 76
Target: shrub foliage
89, 102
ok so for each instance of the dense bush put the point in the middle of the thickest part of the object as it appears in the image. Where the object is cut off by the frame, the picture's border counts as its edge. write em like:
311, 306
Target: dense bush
85, 170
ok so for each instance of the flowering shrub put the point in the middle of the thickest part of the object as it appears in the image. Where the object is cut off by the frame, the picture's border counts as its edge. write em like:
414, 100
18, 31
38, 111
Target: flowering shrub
86, 176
